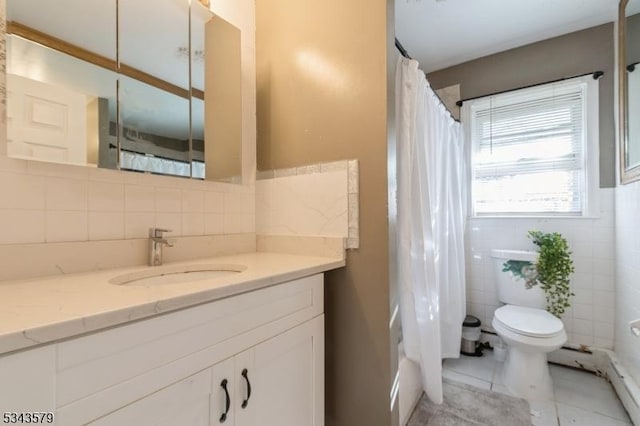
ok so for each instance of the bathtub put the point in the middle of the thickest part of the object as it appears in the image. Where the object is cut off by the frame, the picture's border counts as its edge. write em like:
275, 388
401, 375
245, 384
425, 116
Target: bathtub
409, 385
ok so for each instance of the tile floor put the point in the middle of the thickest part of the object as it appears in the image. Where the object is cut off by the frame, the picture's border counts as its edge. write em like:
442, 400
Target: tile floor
581, 398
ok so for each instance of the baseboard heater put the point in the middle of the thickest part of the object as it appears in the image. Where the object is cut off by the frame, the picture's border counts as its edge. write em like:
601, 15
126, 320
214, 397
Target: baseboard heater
626, 388
579, 348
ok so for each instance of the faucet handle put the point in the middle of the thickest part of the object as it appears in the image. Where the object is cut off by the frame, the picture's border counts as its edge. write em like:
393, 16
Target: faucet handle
157, 232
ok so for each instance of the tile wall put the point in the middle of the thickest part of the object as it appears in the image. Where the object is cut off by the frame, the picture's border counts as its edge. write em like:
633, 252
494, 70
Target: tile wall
50, 203
627, 346
590, 321
314, 200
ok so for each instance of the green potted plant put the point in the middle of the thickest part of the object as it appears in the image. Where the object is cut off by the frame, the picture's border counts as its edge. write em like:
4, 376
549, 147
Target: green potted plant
554, 266
551, 271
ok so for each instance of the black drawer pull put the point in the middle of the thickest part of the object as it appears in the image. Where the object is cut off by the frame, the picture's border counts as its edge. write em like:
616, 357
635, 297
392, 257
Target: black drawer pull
245, 375
227, 404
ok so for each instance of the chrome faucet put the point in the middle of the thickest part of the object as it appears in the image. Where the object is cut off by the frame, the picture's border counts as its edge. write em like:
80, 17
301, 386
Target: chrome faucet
156, 243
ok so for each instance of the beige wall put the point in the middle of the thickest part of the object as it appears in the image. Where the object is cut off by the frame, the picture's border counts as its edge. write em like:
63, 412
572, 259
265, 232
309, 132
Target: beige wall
565, 56
322, 96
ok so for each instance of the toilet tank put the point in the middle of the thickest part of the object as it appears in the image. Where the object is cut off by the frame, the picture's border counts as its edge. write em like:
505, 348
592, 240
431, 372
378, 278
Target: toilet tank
512, 286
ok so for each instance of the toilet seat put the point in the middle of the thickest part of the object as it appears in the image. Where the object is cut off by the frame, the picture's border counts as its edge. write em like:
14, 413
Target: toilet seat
530, 322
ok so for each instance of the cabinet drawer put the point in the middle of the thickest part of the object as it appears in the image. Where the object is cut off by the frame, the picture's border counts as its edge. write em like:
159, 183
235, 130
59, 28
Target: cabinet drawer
174, 343
183, 403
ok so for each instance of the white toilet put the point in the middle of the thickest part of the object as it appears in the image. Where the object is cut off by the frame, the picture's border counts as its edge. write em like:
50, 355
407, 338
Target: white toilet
529, 331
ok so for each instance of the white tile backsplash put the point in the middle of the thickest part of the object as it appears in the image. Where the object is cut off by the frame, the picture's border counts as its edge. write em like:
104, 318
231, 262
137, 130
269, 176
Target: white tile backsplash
192, 201
39, 168
238, 223
63, 226
106, 196
139, 198
105, 210
171, 221
136, 224
168, 200
24, 193
19, 226
213, 202
213, 223
239, 203
106, 175
106, 225
592, 244
193, 224
67, 194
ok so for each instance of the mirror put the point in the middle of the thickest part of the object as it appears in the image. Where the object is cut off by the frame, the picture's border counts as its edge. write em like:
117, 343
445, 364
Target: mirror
59, 105
85, 86
629, 86
154, 86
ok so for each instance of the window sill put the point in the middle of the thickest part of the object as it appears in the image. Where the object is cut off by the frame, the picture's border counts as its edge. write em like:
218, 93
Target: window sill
591, 217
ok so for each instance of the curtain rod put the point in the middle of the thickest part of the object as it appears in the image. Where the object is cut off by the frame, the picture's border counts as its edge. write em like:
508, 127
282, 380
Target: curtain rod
402, 50
596, 75
404, 53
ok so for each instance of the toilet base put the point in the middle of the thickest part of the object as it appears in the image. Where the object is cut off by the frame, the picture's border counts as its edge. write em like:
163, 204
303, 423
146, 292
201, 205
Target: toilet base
526, 374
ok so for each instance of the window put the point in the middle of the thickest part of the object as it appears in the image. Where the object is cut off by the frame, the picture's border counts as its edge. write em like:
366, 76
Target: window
534, 151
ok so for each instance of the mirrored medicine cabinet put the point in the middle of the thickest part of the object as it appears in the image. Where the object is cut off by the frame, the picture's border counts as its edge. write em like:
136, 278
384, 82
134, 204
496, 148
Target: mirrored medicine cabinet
629, 89
139, 85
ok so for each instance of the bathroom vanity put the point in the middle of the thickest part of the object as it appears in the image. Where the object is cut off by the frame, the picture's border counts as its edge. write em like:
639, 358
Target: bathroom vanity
245, 348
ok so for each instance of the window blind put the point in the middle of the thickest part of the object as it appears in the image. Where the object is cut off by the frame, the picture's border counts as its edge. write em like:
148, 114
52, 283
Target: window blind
529, 151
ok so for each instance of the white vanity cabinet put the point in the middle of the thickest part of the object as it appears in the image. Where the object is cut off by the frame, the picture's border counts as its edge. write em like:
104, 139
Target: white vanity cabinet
169, 369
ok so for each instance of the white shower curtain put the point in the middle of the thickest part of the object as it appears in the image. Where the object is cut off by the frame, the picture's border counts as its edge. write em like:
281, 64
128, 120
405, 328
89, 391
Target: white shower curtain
430, 223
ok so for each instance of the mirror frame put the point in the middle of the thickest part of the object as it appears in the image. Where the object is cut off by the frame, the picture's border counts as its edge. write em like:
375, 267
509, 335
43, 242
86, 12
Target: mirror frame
627, 175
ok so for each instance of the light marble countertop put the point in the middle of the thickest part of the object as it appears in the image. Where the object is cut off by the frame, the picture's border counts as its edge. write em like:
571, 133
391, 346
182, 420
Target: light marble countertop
41, 310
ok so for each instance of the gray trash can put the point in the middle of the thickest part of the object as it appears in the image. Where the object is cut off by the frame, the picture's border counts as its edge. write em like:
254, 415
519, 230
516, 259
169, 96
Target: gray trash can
470, 336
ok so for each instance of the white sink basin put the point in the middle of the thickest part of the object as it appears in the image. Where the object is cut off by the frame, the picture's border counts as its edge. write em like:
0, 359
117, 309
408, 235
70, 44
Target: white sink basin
176, 274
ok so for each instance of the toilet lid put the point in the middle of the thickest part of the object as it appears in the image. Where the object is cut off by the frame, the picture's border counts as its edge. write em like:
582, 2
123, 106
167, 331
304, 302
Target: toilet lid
528, 321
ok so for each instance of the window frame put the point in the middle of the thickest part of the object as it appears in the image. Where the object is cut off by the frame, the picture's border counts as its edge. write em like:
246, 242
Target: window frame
591, 155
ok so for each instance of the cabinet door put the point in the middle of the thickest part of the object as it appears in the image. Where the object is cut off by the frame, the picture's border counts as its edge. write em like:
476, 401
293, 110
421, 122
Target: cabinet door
28, 381
286, 376
183, 403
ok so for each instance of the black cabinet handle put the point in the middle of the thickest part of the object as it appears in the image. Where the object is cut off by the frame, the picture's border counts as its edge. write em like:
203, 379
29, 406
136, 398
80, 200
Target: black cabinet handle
227, 404
245, 375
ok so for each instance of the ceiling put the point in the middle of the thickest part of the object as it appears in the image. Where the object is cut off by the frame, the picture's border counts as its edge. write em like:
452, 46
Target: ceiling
442, 33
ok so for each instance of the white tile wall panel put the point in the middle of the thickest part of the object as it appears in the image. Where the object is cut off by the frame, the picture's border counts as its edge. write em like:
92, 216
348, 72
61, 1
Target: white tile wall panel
591, 241
627, 266
313, 200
